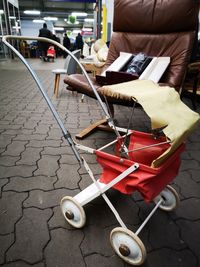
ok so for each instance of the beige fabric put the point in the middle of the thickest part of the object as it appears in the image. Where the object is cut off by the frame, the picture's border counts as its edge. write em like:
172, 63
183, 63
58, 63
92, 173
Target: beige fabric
102, 54
163, 106
98, 45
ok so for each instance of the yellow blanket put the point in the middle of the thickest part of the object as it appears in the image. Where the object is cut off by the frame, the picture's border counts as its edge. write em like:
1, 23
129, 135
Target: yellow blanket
164, 107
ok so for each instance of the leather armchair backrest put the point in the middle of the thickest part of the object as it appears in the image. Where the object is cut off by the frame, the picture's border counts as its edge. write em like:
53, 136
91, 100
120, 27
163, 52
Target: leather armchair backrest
155, 16
156, 28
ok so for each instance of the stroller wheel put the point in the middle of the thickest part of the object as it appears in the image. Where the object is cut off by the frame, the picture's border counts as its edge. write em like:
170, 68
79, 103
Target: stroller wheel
170, 197
73, 212
128, 246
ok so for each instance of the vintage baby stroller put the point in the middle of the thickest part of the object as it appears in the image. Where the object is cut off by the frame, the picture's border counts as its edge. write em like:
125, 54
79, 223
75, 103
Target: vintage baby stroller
51, 53
142, 161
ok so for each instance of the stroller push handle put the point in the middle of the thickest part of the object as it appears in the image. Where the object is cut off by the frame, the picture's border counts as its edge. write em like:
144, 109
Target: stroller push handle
65, 132
43, 39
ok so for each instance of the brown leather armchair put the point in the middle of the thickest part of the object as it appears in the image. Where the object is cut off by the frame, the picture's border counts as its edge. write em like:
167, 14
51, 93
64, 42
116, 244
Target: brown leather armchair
156, 28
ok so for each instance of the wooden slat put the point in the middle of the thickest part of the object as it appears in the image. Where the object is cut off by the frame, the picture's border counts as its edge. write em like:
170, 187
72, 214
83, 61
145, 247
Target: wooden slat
91, 128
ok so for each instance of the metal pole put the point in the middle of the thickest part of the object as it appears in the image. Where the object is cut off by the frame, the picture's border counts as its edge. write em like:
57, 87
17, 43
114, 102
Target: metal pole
4, 39
65, 132
149, 216
52, 108
99, 13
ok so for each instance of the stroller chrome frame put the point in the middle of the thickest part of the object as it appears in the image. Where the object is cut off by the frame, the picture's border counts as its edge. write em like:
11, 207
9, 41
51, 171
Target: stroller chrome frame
125, 243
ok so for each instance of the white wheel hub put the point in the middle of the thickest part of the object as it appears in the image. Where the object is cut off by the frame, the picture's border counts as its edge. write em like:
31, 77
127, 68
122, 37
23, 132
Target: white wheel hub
73, 212
128, 246
170, 199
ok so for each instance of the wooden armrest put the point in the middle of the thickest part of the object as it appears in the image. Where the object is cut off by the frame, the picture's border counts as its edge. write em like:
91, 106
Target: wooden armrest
194, 66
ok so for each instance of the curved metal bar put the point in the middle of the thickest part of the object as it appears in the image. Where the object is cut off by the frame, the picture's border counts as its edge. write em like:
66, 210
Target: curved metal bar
4, 39
52, 108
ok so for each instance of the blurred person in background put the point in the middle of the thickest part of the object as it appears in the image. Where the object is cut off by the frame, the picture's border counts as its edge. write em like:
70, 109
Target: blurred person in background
66, 44
79, 42
43, 46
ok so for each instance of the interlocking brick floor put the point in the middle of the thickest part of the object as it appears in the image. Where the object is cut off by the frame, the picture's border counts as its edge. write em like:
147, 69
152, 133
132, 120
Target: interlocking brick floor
37, 168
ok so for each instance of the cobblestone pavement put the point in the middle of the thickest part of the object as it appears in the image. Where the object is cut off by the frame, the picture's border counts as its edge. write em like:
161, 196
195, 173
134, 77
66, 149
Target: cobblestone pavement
37, 168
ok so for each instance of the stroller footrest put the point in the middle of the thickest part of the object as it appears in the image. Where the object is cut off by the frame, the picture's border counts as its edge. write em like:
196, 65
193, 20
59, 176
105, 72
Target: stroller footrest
89, 193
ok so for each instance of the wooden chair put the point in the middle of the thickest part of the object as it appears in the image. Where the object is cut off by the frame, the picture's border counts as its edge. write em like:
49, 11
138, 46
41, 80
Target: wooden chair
70, 67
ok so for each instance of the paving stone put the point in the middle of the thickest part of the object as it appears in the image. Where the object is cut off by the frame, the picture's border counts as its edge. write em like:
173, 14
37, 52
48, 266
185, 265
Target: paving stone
19, 120
188, 209
101, 215
96, 169
89, 158
20, 170
137, 197
194, 137
171, 238
186, 155
7, 123
85, 181
24, 112
195, 156
101, 261
2, 183
49, 199
15, 148
96, 240
178, 190
68, 176
30, 124
195, 175
42, 129
20, 131
2, 150
5, 243
167, 257
191, 146
190, 232
10, 116
47, 120
31, 236
189, 165
72, 119
8, 160
47, 165
10, 210
68, 159
23, 264
189, 188
30, 137
5, 140
127, 207
57, 151
64, 249
30, 156
58, 220
90, 142
44, 143
26, 184
10, 127
54, 134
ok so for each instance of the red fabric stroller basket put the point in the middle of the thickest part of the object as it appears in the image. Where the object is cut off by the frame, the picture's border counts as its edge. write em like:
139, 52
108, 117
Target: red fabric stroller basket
51, 52
147, 180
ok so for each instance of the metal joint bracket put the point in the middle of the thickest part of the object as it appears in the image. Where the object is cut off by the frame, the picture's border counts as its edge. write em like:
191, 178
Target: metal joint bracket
67, 135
